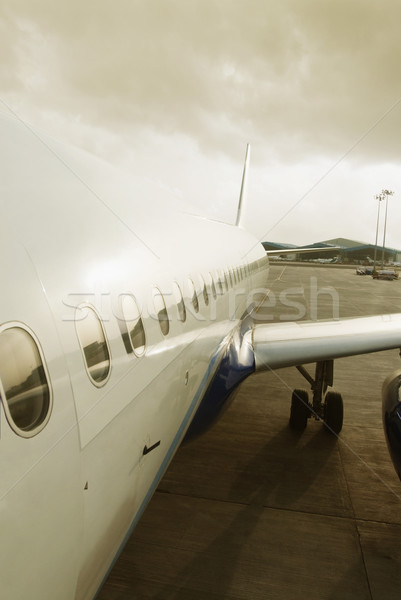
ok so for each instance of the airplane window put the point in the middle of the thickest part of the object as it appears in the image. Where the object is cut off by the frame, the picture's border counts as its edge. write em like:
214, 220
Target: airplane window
193, 295
131, 327
93, 343
204, 290
25, 392
161, 311
220, 283
182, 313
226, 281
213, 286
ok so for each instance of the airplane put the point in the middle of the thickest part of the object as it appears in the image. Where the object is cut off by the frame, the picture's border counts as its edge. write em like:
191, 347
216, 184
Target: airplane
126, 325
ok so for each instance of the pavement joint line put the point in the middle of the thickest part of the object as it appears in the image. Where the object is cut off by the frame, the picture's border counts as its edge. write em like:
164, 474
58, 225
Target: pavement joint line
351, 518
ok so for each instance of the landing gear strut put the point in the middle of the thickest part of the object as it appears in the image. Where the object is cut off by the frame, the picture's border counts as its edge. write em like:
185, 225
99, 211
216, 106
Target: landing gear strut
329, 410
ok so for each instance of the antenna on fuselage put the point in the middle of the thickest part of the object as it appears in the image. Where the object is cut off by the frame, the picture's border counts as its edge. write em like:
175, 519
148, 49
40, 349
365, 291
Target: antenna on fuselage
242, 195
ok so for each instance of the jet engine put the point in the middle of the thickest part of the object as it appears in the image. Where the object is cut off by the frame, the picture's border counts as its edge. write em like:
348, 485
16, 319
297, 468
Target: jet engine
391, 395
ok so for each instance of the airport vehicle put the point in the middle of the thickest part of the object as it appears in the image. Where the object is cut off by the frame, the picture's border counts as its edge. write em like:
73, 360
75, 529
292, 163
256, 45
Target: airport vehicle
364, 270
126, 324
387, 274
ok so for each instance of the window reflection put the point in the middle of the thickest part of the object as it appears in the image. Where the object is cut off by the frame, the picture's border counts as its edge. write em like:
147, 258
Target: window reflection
226, 281
132, 327
161, 311
22, 373
220, 282
213, 287
93, 342
204, 290
182, 313
193, 295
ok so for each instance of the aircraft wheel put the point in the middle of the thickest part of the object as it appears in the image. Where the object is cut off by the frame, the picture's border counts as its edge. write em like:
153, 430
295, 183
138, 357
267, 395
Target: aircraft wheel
333, 412
299, 410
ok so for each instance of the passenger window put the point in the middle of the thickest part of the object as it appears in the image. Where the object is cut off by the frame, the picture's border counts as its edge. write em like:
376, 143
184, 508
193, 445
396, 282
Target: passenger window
161, 311
25, 392
93, 343
131, 327
226, 281
204, 290
182, 313
213, 287
193, 295
220, 283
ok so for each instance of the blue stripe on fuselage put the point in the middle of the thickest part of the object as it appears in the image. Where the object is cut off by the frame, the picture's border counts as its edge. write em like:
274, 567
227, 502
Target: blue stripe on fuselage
233, 352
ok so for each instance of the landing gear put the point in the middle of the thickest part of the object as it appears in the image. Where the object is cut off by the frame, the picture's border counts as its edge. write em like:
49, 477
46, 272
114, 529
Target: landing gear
333, 412
300, 410
329, 410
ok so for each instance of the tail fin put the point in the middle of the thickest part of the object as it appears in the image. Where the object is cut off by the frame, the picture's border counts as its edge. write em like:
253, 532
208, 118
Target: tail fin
242, 196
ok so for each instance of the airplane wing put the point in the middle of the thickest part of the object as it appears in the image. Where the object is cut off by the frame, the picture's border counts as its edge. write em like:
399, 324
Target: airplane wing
278, 345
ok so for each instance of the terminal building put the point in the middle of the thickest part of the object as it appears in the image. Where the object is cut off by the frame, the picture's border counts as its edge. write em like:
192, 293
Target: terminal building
346, 251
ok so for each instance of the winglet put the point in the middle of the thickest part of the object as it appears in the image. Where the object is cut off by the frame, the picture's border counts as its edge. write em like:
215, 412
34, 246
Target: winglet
243, 186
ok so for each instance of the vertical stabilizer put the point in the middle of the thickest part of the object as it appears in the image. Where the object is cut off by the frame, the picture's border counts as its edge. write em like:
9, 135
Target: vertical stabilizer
242, 196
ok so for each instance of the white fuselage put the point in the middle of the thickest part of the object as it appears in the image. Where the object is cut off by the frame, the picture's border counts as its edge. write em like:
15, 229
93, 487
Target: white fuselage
77, 233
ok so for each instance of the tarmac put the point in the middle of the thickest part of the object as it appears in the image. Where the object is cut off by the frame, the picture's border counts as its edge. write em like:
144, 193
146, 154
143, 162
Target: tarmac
252, 510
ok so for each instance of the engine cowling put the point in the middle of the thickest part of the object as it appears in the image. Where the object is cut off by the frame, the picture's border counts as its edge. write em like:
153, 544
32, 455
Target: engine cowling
391, 401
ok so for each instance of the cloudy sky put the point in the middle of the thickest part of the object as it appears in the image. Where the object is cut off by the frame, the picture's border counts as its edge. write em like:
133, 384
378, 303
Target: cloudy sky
175, 89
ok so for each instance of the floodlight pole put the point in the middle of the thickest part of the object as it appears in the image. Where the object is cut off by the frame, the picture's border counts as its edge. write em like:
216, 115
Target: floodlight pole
386, 194
378, 197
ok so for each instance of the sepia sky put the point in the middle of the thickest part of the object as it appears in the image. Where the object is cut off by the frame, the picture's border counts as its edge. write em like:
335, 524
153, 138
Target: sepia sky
175, 89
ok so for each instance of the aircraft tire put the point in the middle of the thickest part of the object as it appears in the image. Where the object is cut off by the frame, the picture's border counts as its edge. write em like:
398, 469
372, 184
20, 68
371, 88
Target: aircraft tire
333, 412
299, 410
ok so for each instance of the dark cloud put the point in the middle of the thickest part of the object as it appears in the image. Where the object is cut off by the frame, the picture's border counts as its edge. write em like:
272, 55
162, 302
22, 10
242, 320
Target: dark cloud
305, 77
